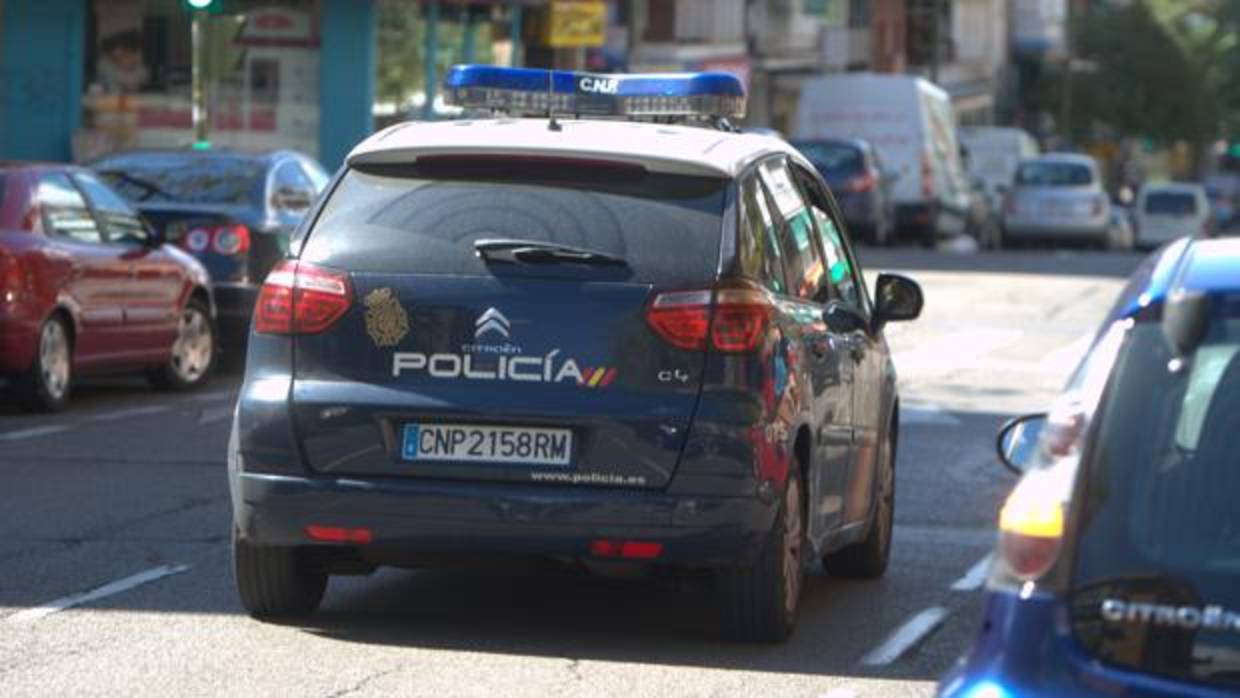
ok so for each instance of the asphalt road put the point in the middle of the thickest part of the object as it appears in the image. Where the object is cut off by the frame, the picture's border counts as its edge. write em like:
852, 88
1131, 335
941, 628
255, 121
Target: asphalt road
124, 498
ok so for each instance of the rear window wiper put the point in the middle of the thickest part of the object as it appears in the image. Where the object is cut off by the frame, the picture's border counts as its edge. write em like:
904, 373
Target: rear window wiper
536, 252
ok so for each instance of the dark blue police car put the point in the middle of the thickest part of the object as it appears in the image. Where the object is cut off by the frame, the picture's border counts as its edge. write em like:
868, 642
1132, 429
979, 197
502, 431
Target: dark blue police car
618, 340
1118, 567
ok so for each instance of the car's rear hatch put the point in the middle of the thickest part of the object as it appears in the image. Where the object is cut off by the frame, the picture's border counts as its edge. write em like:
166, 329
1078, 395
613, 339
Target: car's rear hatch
1155, 584
461, 359
1169, 215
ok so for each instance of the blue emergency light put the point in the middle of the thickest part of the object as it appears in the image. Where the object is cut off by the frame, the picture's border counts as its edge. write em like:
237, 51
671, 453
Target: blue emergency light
533, 91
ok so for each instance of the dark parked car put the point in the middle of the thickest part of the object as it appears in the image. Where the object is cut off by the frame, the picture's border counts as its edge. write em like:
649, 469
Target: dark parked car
860, 184
621, 343
86, 286
234, 211
1117, 571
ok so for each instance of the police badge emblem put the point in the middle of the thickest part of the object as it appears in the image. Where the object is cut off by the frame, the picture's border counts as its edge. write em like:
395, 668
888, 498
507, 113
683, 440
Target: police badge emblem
386, 321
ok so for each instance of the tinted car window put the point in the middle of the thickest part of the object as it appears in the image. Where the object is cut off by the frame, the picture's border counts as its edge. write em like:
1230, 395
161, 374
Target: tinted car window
65, 212
1170, 204
802, 259
760, 255
194, 178
1053, 174
832, 159
1157, 572
425, 219
123, 225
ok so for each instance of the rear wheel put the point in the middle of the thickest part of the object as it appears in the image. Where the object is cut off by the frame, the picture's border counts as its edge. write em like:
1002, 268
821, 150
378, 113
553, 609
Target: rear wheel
759, 603
276, 582
45, 387
193, 352
868, 558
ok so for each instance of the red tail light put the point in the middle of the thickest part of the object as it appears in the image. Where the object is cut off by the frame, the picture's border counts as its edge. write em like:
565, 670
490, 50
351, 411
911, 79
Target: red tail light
865, 182
927, 178
628, 549
301, 298
735, 321
231, 239
336, 534
228, 240
11, 278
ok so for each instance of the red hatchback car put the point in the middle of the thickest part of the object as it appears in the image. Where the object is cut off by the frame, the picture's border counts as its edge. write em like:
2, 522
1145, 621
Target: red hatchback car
86, 286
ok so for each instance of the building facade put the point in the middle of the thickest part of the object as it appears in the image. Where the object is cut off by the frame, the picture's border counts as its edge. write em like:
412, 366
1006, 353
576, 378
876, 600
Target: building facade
79, 78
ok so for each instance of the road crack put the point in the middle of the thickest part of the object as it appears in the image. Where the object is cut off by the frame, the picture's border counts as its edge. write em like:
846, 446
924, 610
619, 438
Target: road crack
361, 683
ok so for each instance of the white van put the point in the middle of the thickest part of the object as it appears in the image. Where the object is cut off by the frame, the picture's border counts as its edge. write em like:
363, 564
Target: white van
1167, 211
912, 125
994, 152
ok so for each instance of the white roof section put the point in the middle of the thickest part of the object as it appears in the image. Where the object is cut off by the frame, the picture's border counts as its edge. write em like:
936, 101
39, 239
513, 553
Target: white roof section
690, 150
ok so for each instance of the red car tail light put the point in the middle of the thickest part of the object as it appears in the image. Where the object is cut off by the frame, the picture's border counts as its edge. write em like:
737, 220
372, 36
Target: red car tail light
230, 239
337, 534
301, 298
197, 239
733, 319
865, 182
681, 318
627, 549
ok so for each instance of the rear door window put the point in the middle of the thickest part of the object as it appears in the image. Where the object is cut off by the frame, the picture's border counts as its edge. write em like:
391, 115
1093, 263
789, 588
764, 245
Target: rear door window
122, 224
802, 258
1157, 573
65, 213
760, 254
425, 219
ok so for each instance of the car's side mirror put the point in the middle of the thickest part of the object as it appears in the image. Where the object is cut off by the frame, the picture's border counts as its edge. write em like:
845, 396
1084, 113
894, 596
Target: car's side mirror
898, 297
291, 199
1018, 441
843, 318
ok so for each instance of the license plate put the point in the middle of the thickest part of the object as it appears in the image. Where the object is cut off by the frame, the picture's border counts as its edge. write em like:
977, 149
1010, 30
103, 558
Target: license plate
472, 443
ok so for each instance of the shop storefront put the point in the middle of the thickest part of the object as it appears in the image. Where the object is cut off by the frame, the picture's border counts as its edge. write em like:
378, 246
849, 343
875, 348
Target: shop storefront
279, 74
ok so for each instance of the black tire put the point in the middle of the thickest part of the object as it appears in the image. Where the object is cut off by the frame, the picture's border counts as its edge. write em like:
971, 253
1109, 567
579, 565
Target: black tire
759, 603
276, 582
868, 558
46, 385
193, 353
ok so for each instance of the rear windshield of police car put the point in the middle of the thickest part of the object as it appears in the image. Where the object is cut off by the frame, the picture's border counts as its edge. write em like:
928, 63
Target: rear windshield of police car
1157, 567
425, 219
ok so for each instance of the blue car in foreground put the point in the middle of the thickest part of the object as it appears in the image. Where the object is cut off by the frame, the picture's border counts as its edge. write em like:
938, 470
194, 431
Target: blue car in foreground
1118, 565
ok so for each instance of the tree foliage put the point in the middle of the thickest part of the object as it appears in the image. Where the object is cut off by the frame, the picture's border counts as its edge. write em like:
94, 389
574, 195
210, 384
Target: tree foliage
1166, 70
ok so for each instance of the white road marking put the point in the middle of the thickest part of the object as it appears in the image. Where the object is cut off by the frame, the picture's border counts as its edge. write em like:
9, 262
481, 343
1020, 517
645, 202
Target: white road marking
927, 414
215, 414
975, 577
906, 636
131, 412
110, 589
842, 692
215, 395
33, 432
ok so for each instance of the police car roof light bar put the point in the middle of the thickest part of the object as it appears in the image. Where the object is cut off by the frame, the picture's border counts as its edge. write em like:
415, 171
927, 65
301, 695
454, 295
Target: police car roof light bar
534, 91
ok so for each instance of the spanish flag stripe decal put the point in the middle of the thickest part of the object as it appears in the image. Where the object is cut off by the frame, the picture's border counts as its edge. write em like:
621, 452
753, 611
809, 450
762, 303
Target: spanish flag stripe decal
598, 376
607, 379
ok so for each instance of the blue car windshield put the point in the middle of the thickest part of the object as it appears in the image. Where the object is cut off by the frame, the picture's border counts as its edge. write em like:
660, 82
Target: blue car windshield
1157, 568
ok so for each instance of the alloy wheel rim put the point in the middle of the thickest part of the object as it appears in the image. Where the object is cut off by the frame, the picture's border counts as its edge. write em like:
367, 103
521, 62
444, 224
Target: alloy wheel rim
191, 354
54, 359
792, 547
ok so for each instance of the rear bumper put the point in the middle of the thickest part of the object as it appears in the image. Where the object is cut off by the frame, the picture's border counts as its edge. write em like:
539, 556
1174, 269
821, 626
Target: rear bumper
410, 517
1024, 649
1094, 230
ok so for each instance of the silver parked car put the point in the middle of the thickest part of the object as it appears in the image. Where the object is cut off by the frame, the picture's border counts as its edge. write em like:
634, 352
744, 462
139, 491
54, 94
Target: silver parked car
1057, 197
